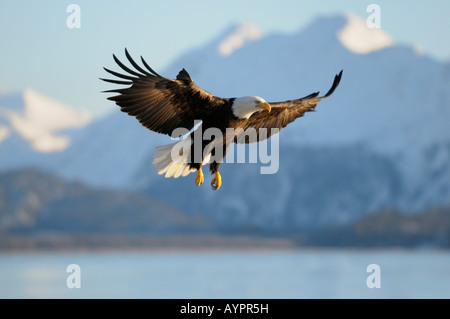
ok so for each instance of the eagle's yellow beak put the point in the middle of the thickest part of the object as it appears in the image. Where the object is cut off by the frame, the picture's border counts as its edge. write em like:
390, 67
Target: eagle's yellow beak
266, 106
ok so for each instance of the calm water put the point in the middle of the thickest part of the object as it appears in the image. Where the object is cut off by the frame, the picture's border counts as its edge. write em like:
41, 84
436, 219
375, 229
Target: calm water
287, 274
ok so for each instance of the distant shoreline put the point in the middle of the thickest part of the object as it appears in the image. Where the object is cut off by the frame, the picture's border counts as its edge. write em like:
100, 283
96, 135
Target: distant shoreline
109, 242
78, 242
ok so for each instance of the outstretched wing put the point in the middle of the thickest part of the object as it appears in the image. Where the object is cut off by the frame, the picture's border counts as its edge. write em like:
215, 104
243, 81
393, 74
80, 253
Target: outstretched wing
281, 115
160, 104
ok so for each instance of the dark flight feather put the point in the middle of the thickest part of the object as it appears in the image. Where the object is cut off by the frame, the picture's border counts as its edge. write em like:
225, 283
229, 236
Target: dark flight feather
135, 65
149, 68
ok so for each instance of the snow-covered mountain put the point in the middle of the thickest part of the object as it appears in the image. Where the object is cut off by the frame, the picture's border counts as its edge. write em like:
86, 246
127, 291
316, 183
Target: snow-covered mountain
33, 125
382, 139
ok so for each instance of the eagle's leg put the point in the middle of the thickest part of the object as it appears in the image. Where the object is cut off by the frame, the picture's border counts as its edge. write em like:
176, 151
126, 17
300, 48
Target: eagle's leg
216, 181
199, 178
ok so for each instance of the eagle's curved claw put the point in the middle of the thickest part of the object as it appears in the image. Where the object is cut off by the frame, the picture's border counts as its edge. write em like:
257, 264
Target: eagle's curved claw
199, 178
216, 181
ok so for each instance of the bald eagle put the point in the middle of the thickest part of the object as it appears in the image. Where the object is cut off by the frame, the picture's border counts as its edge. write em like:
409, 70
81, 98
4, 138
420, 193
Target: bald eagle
163, 105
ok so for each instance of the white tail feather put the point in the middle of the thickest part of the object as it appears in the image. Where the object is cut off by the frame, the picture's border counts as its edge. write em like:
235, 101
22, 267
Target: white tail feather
173, 165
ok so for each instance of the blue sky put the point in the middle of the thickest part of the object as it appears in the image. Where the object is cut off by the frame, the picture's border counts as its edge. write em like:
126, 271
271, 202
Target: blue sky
39, 51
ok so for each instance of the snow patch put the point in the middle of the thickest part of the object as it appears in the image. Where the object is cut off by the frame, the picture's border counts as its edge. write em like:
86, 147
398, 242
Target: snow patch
242, 34
42, 117
357, 37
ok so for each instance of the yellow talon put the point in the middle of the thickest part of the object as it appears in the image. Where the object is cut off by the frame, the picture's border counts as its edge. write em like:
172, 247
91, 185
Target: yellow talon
199, 178
216, 181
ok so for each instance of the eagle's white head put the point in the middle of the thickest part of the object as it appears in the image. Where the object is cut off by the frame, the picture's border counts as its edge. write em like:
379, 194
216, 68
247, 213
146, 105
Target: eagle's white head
244, 107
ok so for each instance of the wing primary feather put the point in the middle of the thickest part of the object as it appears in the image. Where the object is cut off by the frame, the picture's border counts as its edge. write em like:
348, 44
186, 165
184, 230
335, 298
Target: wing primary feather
116, 81
125, 68
135, 64
149, 68
111, 98
114, 91
311, 96
337, 80
119, 75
